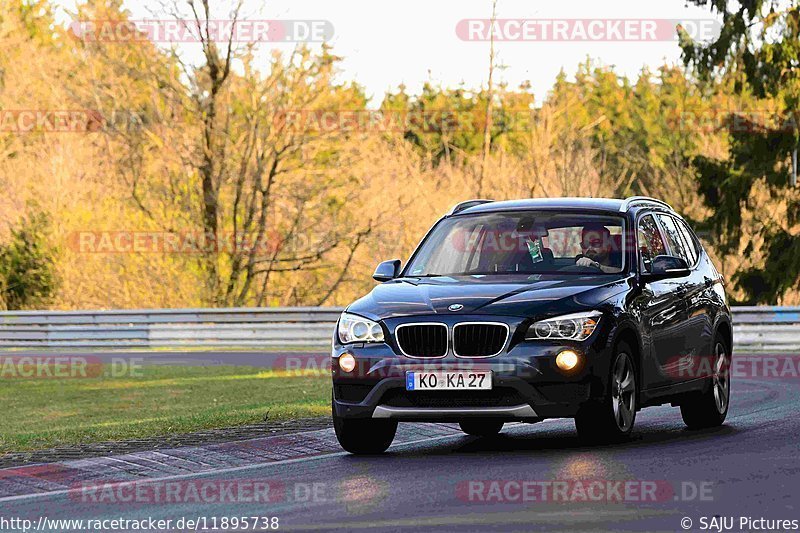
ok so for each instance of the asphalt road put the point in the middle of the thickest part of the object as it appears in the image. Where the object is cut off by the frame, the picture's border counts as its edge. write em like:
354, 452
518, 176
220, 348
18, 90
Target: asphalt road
747, 468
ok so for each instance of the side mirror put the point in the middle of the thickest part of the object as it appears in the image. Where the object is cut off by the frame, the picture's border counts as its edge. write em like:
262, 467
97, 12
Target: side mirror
667, 266
387, 270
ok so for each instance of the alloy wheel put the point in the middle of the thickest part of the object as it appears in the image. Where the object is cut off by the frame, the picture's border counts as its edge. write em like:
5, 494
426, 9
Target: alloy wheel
623, 392
721, 380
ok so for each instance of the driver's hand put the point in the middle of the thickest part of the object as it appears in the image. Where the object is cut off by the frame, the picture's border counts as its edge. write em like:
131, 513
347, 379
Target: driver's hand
586, 262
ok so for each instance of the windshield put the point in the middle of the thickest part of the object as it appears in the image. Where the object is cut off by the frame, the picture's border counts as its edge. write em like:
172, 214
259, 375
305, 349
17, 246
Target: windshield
522, 243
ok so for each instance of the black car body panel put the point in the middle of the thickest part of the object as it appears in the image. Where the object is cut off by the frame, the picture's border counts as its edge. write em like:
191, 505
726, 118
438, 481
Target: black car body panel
510, 296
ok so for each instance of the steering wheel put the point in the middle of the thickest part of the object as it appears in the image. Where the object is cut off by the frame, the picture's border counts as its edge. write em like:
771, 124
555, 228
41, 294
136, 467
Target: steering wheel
582, 269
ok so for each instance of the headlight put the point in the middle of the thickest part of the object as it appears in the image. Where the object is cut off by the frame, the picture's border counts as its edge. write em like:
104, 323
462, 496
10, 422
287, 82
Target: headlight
576, 327
353, 328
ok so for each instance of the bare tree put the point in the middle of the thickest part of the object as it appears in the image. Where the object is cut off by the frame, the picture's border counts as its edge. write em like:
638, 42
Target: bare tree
487, 125
265, 192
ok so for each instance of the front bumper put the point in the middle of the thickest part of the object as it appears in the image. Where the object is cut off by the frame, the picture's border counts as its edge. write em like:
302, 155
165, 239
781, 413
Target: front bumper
526, 384
521, 412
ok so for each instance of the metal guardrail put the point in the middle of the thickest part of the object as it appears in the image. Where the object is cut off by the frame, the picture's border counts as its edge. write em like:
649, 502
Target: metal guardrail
775, 329
164, 328
766, 329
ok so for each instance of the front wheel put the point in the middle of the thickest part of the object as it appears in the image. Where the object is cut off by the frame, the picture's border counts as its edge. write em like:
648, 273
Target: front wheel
481, 427
364, 436
612, 419
710, 408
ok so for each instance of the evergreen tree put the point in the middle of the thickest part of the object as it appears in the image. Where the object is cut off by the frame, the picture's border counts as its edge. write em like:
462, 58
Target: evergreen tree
759, 50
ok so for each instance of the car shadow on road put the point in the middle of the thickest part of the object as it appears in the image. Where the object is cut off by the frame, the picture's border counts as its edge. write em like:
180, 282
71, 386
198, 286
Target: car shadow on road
557, 439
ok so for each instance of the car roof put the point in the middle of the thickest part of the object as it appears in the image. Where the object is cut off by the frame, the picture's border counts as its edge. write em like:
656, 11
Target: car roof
615, 205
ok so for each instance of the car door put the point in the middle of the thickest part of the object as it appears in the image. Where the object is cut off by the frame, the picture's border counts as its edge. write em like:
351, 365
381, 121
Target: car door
690, 289
698, 300
663, 312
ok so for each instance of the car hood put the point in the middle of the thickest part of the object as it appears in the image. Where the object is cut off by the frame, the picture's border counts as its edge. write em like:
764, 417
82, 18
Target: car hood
514, 295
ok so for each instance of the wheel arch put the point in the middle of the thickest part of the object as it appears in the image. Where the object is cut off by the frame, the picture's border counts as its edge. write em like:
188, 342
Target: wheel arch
627, 333
725, 329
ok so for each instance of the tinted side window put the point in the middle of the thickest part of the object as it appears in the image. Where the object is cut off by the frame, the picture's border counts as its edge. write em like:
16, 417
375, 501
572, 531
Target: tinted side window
691, 242
650, 242
675, 241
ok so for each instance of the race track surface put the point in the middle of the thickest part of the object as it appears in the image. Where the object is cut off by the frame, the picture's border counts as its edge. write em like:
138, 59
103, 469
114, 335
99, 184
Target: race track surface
747, 468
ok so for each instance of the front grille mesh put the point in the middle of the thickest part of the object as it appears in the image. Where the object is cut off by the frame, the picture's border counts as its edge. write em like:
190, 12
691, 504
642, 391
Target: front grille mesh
423, 340
478, 340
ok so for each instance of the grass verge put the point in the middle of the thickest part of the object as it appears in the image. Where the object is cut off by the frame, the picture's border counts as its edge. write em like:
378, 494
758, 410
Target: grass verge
157, 400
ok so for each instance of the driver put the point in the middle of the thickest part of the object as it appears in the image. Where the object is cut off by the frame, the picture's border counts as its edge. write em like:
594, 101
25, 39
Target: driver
596, 245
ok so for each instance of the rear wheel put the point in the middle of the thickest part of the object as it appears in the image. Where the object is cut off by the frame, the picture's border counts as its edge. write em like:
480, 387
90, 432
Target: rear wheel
481, 427
364, 436
710, 408
612, 419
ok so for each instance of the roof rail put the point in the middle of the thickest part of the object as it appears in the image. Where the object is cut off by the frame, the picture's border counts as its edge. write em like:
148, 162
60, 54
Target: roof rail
466, 205
629, 201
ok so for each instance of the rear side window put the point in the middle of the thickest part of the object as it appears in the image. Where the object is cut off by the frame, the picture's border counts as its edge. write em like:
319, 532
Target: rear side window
675, 240
691, 241
650, 242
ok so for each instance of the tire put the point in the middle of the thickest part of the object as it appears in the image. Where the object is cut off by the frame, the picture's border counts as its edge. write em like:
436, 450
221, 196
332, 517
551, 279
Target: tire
612, 419
364, 436
481, 427
710, 408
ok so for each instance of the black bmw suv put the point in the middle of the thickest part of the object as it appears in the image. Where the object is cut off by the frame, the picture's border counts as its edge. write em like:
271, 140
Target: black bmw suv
530, 309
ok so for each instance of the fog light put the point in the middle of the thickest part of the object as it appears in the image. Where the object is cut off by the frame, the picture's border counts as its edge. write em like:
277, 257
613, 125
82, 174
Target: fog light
347, 362
567, 360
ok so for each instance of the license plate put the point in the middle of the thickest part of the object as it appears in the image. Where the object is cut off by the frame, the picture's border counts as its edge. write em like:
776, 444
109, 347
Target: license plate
449, 380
